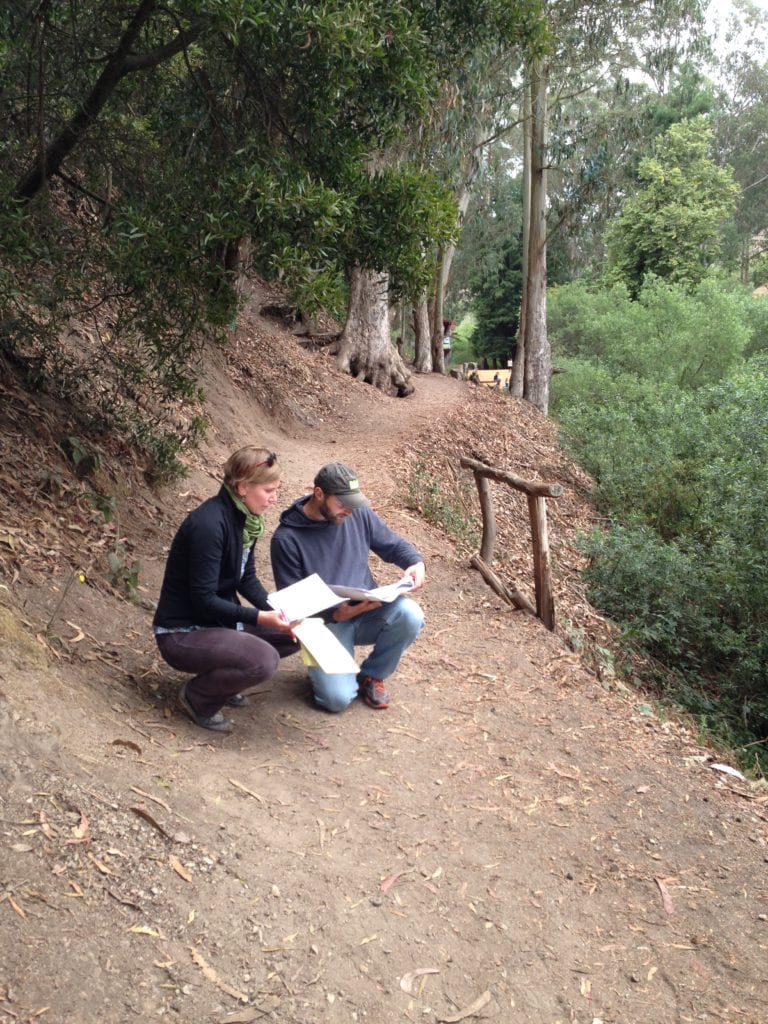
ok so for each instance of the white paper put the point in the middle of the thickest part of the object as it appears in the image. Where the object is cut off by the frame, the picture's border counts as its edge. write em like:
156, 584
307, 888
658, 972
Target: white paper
304, 598
330, 655
385, 594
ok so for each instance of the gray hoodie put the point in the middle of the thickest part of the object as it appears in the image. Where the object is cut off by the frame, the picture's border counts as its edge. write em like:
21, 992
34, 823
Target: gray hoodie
337, 553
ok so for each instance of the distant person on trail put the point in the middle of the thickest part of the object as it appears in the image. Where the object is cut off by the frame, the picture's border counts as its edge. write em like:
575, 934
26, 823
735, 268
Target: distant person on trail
447, 342
200, 625
447, 349
331, 532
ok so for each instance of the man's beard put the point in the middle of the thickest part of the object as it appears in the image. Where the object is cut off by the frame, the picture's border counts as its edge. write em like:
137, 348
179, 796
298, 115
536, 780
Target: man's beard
328, 516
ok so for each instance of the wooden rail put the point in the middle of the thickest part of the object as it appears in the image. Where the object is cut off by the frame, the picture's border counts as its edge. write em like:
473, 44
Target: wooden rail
536, 493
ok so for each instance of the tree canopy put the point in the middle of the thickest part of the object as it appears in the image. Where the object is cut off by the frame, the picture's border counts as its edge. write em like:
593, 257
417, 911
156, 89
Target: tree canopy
671, 226
144, 143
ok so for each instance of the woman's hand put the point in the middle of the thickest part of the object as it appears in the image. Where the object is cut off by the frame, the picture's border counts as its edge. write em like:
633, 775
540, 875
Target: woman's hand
350, 610
276, 621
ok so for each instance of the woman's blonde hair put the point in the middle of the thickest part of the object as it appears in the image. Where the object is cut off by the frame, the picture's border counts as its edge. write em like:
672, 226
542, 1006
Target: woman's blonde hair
251, 465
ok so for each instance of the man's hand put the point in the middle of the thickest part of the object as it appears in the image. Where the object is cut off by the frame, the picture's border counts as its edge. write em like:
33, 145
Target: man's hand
417, 573
350, 610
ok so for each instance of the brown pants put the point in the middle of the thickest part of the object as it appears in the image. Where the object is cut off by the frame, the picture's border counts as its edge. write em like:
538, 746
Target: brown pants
225, 661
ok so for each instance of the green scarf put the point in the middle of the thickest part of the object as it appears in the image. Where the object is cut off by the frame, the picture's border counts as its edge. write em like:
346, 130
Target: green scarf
254, 525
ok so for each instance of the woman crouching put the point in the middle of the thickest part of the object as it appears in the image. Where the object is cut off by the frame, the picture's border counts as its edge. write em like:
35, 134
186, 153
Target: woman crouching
200, 625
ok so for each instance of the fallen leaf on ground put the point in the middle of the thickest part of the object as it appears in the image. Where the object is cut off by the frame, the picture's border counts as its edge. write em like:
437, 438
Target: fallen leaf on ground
143, 929
213, 977
127, 743
144, 813
80, 831
249, 792
79, 634
387, 884
558, 771
407, 980
468, 1011
727, 770
102, 867
45, 828
666, 897
179, 868
17, 908
154, 799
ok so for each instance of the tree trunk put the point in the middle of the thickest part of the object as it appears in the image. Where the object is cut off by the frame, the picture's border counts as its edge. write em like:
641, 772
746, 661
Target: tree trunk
538, 361
744, 261
444, 264
422, 360
365, 350
436, 334
517, 387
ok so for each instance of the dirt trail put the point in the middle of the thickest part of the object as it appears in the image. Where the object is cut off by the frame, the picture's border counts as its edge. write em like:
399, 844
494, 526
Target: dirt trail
510, 841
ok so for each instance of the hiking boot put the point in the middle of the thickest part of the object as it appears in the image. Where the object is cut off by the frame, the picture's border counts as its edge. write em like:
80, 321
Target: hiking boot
216, 722
373, 691
237, 700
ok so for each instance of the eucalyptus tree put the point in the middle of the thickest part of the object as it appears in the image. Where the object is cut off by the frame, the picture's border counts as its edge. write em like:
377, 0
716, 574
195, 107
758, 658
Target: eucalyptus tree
463, 44
741, 126
597, 139
671, 227
592, 43
457, 140
490, 236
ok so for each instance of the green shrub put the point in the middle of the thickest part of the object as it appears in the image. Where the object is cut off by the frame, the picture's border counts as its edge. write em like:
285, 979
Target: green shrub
434, 498
679, 454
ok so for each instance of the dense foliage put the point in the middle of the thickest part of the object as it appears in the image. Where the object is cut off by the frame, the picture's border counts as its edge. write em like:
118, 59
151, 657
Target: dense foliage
497, 307
143, 143
671, 226
657, 196
663, 409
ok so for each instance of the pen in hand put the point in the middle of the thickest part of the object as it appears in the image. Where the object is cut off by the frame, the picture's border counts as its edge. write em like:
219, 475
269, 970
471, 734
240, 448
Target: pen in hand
284, 618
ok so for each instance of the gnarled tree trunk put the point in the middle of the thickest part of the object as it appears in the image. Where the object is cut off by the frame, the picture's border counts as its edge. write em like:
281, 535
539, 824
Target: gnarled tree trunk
365, 350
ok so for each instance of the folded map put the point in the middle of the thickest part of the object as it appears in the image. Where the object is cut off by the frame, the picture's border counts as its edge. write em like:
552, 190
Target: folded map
385, 594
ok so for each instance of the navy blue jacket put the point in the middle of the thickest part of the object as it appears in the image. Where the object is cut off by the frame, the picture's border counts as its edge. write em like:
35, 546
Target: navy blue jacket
204, 572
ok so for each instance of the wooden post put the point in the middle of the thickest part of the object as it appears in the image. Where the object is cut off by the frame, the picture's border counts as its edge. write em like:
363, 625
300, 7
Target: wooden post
545, 602
489, 519
536, 493
513, 597
526, 486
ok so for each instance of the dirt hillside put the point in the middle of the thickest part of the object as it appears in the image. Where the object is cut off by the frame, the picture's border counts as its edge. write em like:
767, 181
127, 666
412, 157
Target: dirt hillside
516, 839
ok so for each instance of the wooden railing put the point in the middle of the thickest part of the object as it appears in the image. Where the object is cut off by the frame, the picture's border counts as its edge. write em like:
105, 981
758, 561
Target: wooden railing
536, 493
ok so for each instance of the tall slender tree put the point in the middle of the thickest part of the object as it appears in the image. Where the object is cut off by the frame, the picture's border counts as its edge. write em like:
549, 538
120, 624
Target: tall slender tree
590, 43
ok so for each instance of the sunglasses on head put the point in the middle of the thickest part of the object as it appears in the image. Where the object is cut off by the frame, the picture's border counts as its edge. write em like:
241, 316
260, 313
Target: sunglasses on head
270, 460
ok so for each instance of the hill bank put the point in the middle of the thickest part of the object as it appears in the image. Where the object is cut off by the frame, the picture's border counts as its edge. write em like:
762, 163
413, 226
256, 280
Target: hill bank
515, 839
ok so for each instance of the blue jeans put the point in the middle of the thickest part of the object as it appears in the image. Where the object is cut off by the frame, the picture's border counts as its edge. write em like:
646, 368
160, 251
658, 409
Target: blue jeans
391, 629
